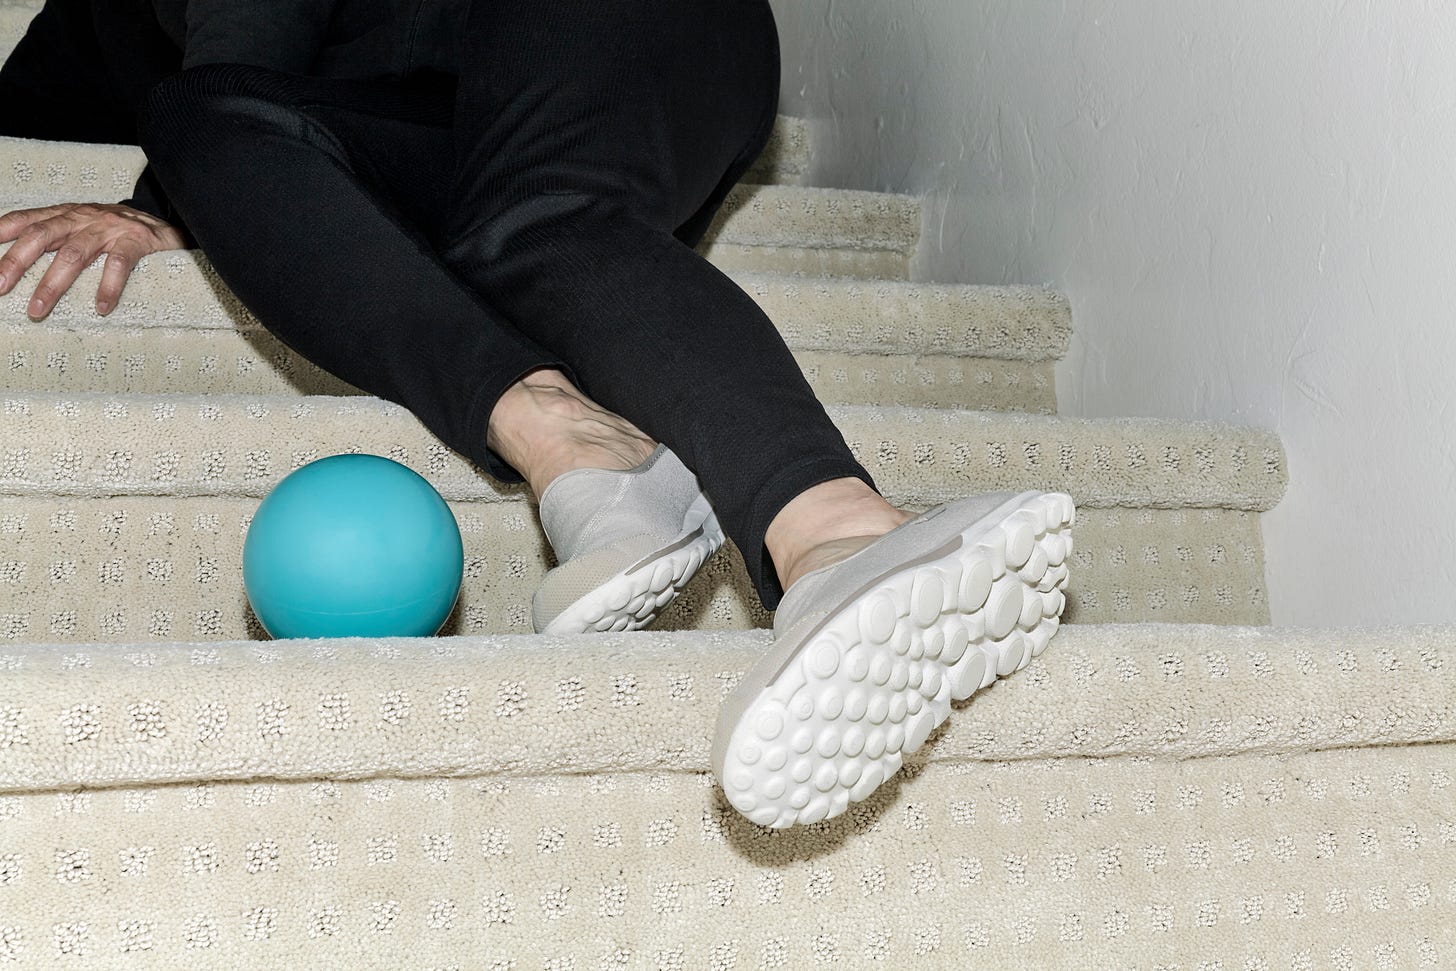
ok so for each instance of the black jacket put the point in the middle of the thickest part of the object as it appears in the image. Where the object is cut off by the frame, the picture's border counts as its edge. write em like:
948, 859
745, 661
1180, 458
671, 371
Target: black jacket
83, 68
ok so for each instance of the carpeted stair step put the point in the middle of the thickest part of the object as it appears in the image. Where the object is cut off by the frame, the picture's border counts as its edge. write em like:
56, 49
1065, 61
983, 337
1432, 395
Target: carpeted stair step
15, 17
775, 228
179, 329
123, 516
785, 160
1137, 796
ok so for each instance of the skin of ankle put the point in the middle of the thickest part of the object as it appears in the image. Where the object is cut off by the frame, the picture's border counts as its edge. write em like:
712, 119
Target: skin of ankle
827, 523
543, 426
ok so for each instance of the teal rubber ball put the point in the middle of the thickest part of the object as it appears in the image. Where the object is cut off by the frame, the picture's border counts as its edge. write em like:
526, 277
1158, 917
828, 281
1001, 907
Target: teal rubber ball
353, 546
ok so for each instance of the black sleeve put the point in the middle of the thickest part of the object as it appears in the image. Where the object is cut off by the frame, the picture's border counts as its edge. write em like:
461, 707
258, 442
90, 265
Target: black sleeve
137, 54
61, 84
55, 84
149, 196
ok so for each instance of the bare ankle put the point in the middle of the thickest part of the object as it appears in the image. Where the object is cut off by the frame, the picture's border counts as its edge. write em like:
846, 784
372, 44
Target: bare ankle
825, 524
543, 426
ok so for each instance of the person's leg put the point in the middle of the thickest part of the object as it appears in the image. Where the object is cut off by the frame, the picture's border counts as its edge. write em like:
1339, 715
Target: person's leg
592, 135
305, 194
308, 195
595, 137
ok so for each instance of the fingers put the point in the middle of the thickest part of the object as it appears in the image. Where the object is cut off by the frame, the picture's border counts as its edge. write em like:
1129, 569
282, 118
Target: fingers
75, 254
37, 238
124, 254
12, 223
78, 233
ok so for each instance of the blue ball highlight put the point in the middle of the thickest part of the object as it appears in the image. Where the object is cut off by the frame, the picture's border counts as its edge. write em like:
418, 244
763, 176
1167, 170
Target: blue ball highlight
353, 546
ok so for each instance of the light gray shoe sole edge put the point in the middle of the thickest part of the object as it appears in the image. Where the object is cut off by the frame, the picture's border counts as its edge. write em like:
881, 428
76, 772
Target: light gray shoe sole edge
829, 712
632, 599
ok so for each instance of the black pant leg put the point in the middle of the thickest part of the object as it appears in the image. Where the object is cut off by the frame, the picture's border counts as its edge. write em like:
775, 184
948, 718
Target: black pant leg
589, 133
283, 178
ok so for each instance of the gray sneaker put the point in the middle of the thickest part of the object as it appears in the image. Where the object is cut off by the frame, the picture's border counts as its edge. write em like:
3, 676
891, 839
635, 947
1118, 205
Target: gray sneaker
869, 652
627, 543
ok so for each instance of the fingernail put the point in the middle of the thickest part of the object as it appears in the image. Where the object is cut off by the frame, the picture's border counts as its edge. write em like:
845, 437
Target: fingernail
2, 283
36, 306
102, 306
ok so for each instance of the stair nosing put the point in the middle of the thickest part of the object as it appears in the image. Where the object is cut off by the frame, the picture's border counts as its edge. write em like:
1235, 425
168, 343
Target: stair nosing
1088, 673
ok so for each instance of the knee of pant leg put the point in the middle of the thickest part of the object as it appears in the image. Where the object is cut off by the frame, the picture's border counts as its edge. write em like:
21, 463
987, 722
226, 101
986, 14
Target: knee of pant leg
179, 107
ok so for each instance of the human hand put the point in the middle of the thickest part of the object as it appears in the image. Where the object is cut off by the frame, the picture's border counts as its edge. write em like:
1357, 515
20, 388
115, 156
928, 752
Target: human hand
78, 233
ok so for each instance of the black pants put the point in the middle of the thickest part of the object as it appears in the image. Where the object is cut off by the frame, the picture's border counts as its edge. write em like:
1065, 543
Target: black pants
432, 240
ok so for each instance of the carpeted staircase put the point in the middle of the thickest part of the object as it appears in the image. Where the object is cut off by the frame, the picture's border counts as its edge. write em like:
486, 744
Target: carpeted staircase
1170, 785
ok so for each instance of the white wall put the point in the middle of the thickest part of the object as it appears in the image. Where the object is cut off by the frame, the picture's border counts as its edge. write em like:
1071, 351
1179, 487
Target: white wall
1250, 205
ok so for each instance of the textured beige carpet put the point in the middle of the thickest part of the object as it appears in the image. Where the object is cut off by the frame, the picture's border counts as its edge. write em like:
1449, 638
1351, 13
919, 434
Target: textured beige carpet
1139, 797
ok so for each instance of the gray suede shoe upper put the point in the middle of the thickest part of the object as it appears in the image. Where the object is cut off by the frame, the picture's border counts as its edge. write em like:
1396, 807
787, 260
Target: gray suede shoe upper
626, 543
825, 588
588, 509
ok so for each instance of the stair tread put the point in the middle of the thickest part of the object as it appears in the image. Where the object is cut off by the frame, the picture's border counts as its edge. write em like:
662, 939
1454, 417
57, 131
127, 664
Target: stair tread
787, 155
102, 443
249, 360
180, 289
486, 705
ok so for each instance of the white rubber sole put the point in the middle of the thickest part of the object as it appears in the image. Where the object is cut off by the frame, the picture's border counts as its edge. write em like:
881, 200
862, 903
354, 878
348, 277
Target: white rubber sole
879, 675
633, 598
